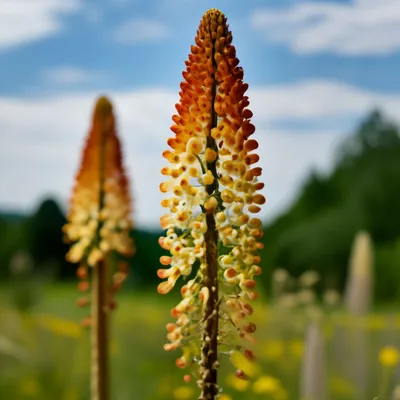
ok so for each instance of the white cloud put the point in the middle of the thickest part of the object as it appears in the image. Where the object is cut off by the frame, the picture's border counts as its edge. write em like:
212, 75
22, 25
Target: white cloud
69, 75
318, 99
141, 30
360, 27
24, 21
41, 140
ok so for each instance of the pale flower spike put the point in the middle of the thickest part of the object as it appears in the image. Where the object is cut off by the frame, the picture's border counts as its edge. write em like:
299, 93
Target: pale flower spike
99, 218
213, 190
94, 181
99, 223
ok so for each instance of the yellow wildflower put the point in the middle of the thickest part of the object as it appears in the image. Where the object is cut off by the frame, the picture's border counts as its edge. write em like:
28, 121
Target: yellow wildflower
389, 356
183, 393
273, 349
238, 384
241, 362
266, 384
60, 326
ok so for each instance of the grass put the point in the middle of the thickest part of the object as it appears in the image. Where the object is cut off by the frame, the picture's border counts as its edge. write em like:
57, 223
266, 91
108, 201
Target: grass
44, 351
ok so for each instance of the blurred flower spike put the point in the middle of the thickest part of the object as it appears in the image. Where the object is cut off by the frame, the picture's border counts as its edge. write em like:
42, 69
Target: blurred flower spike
213, 193
99, 218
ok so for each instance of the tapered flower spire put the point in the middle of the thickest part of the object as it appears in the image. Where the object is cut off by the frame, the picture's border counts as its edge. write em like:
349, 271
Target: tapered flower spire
99, 223
359, 296
99, 217
213, 192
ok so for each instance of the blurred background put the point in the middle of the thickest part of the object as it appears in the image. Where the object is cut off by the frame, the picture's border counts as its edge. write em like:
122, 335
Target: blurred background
324, 89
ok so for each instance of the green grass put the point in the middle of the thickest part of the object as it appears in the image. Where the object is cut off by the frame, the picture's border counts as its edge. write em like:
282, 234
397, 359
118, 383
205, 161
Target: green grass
44, 352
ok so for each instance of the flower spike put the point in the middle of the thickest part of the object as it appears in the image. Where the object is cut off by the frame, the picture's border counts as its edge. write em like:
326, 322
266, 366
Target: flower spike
213, 192
99, 223
100, 196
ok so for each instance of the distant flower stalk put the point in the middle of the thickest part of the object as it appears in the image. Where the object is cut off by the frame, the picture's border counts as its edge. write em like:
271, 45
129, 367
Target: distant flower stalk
99, 223
359, 287
313, 370
99, 218
358, 299
213, 192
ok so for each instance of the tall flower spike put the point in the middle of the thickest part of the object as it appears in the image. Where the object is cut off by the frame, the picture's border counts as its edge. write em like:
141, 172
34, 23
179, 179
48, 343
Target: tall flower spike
99, 217
213, 191
99, 223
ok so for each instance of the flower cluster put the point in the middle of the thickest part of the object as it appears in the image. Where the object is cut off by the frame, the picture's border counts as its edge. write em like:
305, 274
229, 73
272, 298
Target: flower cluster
213, 186
99, 217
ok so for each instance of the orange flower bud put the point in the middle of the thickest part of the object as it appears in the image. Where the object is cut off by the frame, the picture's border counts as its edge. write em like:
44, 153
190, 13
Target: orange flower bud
250, 328
249, 284
249, 355
181, 362
254, 209
83, 286
82, 302
87, 322
170, 346
241, 375
165, 260
81, 272
165, 287
171, 327
259, 199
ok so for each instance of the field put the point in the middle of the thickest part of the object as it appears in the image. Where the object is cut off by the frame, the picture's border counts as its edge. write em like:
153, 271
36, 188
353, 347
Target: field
44, 351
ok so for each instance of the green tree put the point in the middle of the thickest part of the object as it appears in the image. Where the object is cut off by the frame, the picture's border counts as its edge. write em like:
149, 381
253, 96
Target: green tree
44, 240
360, 193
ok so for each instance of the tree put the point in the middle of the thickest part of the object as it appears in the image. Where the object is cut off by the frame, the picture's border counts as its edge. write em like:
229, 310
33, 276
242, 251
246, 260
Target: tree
44, 240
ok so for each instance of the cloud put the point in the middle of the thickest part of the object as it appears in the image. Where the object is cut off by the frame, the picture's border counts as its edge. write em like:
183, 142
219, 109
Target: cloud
317, 98
25, 21
141, 30
69, 75
360, 27
41, 140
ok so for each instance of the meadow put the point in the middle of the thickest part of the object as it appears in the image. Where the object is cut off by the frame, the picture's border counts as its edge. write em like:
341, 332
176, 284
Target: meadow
318, 334
44, 349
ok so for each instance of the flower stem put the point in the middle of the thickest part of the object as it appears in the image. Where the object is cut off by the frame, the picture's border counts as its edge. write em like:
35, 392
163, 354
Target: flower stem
210, 321
99, 338
210, 317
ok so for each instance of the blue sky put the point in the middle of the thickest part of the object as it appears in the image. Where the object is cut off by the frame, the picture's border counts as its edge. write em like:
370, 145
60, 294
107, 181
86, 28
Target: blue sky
314, 69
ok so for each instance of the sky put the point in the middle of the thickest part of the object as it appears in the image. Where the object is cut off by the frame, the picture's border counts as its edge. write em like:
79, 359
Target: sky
314, 69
